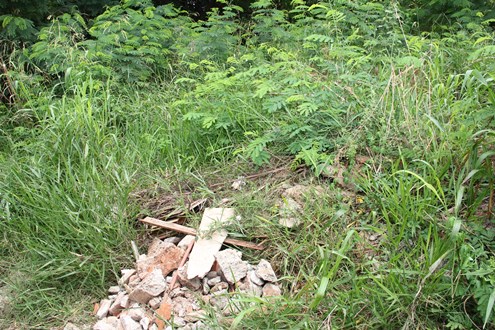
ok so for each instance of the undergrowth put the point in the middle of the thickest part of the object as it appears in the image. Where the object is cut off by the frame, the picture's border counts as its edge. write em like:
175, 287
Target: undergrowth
96, 110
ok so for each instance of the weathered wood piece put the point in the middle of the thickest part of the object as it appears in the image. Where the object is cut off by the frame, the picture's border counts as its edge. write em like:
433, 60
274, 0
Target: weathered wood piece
210, 239
191, 231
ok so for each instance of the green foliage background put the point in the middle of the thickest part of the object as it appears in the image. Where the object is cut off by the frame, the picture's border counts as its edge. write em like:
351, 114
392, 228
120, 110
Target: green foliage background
98, 103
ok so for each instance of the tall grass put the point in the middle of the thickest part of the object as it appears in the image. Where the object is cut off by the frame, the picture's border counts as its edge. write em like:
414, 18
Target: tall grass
322, 89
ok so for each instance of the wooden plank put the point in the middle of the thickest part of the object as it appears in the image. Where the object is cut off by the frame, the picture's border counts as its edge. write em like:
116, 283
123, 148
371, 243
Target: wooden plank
191, 231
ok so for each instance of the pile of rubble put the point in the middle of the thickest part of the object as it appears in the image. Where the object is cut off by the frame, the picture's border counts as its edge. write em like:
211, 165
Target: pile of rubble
171, 289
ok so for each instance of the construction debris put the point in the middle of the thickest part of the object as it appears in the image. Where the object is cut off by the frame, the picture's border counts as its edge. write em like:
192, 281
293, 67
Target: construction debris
160, 292
211, 237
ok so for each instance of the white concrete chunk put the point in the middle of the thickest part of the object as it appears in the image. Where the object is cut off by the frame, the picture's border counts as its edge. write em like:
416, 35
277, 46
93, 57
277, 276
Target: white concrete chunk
233, 267
151, 286
128, 323
104, 307
265, 271
211, 237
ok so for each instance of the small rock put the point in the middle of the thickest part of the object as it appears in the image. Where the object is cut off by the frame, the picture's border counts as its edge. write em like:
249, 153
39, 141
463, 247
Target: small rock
271, 290
116, 307
206, 299
108, 323
220, 299
239, 183
231, 264
230, 309
154, 247
124, 302
176, 292
151, 286
219, 286
145, 323
214, 281
297, 192
134, 281
289, 211
184, 243
200, 326
126, 274
174, 240
155, 327
181, 306
155, 302
104, 307
193, 284
206, 287
178, 321
255, 278
128, 323
211, 274
136, 312
265, 271
251, 288
195, 316
71, 326
289, 222
114, 289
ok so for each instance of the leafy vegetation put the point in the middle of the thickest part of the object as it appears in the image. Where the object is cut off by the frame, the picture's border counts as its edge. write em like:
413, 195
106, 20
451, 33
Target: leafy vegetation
143, 96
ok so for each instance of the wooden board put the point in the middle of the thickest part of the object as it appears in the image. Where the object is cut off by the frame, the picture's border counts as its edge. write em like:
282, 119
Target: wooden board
191, 231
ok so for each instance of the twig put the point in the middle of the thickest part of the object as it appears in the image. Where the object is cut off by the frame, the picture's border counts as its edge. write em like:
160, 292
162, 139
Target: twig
182, 262
252, 176
192, 231
135, 250
10, 87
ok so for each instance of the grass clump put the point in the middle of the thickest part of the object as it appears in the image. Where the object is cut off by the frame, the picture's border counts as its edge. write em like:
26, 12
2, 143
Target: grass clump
403, 239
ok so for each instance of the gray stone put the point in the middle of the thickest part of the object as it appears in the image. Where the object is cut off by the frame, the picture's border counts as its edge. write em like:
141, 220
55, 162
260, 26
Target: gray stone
214, 281
124, 302
255, 278
173, 240
155, 302
114, 289
271, 290
128, 323
206, 287
116, 307
250, 288
265, 271
184, 243
145, 323
232, 266
104, 307
134, 280
193, 283
126, 274
181, 306
71, 326
136, 312
289, 213
151, 286
220, 286
108, 323
178, 321
211, 274
220, 299
195, 316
